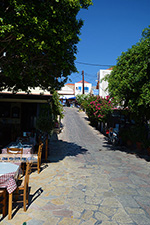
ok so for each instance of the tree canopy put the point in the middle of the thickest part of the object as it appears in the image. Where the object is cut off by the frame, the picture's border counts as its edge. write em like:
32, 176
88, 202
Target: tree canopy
129, 81
38, 42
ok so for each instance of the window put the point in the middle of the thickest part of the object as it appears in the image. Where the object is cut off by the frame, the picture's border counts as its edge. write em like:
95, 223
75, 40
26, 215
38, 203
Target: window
86, 89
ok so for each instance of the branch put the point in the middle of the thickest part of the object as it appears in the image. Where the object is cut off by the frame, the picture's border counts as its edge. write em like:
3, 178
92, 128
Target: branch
8, 39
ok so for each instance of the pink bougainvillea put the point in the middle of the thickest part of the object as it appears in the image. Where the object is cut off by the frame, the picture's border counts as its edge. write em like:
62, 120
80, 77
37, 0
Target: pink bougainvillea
99, 108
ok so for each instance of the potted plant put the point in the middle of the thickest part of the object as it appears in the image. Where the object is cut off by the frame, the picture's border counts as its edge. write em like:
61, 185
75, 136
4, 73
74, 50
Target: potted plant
57, 111
45, 124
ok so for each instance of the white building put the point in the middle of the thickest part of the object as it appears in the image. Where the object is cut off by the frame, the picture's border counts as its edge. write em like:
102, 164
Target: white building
103, 84
67, 91
79, 88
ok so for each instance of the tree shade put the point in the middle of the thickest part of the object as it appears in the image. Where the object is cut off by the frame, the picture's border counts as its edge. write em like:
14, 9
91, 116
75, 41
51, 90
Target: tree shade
38, 41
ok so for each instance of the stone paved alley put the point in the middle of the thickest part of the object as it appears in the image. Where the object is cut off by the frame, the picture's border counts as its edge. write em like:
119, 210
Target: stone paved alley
87, 182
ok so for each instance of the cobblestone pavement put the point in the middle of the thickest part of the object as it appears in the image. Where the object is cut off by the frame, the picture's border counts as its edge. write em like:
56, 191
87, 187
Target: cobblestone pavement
87, 182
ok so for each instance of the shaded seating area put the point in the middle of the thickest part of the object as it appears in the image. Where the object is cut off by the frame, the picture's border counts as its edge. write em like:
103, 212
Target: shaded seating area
15, 169
22, 189
37, 162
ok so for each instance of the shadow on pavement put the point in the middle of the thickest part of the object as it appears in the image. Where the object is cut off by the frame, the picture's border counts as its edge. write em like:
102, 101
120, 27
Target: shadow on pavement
133, 150
32, 198
59, 149
129, 150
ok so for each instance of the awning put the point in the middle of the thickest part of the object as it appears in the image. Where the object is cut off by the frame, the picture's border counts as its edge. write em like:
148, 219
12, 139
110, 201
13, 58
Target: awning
72, 97
67, 97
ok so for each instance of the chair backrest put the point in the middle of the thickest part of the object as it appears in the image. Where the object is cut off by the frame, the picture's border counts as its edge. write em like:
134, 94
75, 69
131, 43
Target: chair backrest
26, 179
40, 150
15, 151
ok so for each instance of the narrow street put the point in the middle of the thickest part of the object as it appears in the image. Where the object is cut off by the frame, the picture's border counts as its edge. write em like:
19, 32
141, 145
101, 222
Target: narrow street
77, 136
115, 185
87, 182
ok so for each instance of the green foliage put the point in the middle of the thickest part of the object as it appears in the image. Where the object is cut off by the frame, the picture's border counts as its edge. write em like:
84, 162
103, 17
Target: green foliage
87, 101
81, 98
57, 108
48, 114
40, 41
45, 121
134, 133
129, 82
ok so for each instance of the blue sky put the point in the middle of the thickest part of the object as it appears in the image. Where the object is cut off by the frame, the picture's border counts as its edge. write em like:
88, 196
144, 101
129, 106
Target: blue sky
110, 28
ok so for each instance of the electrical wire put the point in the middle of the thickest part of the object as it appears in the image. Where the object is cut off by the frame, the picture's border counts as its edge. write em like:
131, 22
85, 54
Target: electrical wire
89, 77
87, 74
92, 64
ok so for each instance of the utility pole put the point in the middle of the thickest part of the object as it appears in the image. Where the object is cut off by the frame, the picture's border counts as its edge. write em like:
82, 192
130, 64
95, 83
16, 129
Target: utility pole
82, 82
98, 82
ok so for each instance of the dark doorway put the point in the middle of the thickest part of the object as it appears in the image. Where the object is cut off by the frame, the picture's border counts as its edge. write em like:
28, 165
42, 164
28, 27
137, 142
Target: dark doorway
28, 116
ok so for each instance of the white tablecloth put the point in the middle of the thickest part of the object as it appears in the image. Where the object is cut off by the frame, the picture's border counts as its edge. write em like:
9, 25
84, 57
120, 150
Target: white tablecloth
7, 167
9, 172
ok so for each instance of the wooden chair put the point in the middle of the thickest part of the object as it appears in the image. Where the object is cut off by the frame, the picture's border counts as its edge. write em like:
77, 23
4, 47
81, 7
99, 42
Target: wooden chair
23, 187
38, 158
3, 201
19, 152
15, 151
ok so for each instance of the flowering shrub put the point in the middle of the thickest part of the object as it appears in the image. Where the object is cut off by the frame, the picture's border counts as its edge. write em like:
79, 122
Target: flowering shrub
81, 98
99, 108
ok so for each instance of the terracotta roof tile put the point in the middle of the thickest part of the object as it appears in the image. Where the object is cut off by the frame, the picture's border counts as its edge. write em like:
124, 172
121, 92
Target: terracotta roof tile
70, 84
111, 68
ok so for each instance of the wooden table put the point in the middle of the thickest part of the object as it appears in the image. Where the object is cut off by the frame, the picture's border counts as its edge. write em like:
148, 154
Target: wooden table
8, 175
